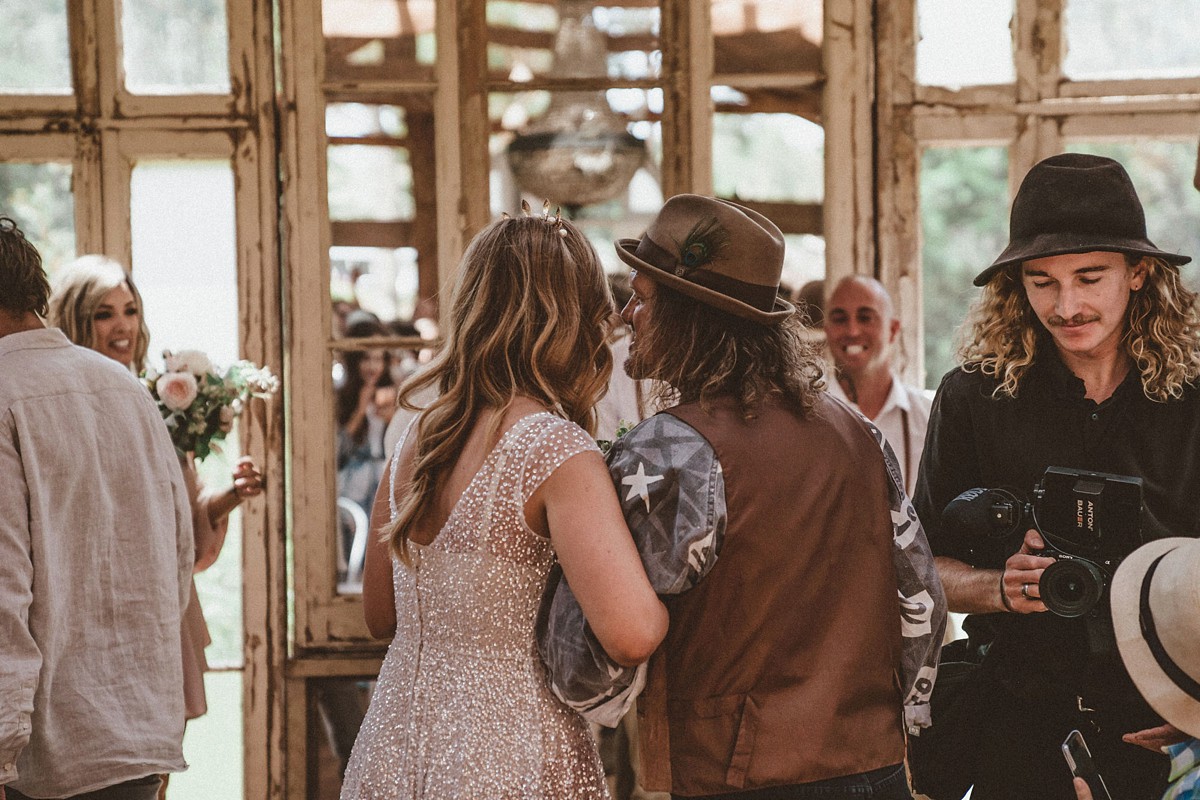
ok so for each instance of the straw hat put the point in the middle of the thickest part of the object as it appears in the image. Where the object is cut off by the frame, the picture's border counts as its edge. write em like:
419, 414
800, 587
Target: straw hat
1156, 617
724, 255
1076, 203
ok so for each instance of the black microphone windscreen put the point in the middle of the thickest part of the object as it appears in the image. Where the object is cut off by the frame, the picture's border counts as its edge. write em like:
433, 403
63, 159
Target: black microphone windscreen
982, 512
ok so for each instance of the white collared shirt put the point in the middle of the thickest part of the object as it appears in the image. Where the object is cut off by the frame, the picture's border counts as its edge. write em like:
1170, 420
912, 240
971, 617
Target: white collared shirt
903, 420
95, 569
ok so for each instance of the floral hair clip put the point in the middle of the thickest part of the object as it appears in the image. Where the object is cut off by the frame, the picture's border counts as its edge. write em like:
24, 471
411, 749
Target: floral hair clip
555, 222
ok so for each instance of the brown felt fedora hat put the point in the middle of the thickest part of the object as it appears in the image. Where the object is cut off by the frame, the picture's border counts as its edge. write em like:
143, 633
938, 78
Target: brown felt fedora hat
1076, 203
1156, 618
722, 254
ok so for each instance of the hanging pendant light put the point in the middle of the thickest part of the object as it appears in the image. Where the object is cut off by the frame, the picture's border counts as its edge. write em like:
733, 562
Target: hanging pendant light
579, 152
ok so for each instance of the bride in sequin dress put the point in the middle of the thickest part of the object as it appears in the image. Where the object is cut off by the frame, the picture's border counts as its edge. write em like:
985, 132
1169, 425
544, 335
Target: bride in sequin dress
496, 481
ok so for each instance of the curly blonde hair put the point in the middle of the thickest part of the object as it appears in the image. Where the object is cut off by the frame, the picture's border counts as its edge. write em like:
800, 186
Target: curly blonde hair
696, 353
80, 289
1001, 334
530, 316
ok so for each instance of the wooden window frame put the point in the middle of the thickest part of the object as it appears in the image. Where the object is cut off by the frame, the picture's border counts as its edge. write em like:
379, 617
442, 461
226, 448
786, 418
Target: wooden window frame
330, 637
102, 130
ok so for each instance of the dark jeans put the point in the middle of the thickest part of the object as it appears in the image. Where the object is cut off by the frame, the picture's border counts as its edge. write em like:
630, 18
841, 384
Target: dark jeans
138, 789
886, 783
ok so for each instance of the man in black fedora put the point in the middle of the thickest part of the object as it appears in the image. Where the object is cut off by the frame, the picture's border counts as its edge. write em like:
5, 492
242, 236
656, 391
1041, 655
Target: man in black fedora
806, 614
1081, 352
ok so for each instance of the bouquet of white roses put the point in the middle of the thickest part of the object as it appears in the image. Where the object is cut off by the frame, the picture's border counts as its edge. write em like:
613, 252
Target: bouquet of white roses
199, 403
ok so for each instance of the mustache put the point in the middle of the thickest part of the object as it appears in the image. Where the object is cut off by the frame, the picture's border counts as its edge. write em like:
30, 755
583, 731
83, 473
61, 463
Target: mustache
1078, 319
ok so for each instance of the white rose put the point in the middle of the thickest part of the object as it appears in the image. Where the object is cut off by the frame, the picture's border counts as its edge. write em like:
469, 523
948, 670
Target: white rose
193, 361
177, 390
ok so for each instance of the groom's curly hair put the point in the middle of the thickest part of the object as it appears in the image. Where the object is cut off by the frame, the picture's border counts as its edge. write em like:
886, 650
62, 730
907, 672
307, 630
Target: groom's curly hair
23, 281
696, 353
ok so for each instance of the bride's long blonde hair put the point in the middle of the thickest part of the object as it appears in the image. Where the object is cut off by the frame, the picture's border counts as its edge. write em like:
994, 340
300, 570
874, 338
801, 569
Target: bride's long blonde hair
529, 317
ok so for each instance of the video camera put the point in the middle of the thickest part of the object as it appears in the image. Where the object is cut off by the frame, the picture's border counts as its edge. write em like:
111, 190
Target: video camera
1089, 521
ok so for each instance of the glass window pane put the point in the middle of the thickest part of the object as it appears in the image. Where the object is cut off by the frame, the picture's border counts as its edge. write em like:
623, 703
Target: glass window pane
1099, 44
378, 280
185, 246
579, 38
37, 196
379, 39
187, 275
368, 182
772, 157
35, 55
964, 226
764, 36
964, 44
212, 744
803, 261
359, 120
175, 46
1162, 173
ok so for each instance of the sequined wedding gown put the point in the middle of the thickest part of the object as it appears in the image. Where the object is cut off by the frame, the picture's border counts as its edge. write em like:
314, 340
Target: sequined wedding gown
462, 708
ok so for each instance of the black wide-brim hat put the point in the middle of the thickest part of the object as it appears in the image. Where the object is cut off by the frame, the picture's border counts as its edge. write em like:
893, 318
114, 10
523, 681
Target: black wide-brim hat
720, 253
1076, 203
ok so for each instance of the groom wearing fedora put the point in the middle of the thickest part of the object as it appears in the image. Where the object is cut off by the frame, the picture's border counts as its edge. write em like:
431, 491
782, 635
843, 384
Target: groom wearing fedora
805, 611
1082, 352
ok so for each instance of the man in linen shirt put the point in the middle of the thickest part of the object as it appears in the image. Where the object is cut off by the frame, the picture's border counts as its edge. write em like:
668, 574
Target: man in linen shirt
861, 328
95, 555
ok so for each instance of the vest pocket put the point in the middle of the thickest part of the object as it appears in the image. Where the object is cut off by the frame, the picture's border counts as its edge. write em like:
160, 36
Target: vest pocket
715, 731
743, 745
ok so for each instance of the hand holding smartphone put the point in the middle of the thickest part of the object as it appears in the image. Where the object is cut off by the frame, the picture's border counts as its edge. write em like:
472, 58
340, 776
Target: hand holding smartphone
1079, 759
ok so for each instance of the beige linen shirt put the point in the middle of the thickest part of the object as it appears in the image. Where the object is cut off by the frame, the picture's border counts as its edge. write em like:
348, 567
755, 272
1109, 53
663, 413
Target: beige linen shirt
903, 420
95, 565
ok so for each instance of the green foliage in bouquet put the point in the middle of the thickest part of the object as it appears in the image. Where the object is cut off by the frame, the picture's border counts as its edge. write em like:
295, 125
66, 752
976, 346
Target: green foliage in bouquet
199, 402
623, 428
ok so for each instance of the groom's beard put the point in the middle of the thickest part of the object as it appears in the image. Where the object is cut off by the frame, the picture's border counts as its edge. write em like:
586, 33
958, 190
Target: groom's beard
634, 366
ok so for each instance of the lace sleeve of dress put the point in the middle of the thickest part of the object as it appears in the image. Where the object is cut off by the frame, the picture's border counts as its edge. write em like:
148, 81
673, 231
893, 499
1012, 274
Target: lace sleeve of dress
552, 441
396, 463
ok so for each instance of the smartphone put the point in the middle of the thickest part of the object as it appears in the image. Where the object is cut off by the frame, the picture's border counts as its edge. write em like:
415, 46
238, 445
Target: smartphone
1079, 759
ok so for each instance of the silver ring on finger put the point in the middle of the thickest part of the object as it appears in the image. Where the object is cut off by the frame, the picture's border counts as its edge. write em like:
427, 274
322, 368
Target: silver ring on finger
1025, 591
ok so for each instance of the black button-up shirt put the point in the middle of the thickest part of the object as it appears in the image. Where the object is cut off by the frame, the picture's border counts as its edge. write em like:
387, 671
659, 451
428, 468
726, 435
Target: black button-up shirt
975, 440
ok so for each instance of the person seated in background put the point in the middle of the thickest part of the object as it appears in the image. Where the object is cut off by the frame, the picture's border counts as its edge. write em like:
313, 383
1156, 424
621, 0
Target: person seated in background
95, 561
862, 331
98, 305
405, 360
365, 402
1155, 600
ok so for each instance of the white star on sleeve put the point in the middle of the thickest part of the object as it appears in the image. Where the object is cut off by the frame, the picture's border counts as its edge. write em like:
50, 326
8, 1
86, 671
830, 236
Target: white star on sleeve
639, 484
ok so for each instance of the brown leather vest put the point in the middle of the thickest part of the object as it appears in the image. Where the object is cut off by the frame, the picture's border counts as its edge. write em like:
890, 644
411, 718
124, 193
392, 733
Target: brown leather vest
780, 666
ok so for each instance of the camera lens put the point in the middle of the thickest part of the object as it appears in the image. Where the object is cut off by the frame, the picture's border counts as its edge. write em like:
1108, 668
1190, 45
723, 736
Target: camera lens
1071, 587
